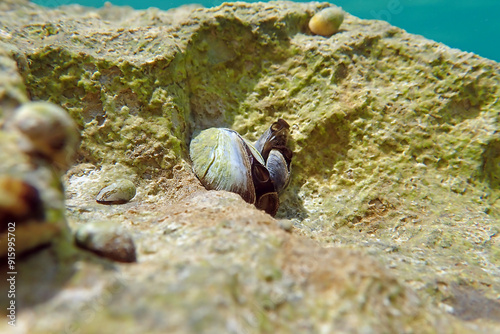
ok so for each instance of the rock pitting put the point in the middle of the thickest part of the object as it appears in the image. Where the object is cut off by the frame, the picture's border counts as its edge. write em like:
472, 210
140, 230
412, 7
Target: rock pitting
394, 195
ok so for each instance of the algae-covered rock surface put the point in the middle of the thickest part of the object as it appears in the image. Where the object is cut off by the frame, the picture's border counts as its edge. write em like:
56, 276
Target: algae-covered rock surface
391, 220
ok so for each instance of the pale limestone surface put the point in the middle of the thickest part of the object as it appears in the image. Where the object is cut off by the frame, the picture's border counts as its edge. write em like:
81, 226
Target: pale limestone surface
394, 197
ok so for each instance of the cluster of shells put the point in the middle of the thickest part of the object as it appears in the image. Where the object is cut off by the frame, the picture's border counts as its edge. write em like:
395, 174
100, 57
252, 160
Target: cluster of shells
223, 160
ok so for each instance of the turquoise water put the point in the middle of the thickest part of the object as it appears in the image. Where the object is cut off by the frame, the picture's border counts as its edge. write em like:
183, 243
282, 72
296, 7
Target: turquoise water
469, 25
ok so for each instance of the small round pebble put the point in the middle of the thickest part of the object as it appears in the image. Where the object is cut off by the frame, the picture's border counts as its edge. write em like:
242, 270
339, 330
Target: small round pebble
106, 240
118, 192
327, 21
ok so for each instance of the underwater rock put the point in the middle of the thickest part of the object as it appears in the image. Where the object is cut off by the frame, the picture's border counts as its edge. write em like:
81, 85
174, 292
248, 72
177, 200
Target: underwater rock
395, 142
107, 240
327, 21
118, 192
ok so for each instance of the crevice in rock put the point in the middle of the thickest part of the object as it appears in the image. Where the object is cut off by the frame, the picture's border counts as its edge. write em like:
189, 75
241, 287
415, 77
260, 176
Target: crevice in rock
491, 163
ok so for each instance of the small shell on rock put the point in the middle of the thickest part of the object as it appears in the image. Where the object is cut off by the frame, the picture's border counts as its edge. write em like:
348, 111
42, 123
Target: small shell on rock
118, 192
19, 202
327, 21
107, 240
48, 131
273, 147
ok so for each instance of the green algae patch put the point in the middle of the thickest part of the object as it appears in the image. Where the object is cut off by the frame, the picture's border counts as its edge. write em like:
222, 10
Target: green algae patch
115, 106
395, 142
231, 60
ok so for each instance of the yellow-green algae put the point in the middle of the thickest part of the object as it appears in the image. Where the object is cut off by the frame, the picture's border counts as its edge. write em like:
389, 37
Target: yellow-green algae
12, 89
395, 136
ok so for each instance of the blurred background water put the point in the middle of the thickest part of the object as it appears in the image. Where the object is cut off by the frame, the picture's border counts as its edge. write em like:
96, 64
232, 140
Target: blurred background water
469, 25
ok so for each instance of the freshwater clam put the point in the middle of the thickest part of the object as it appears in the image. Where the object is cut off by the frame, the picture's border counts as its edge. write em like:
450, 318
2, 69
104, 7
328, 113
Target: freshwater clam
118, 192
22, 214
223, 160
327, 21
